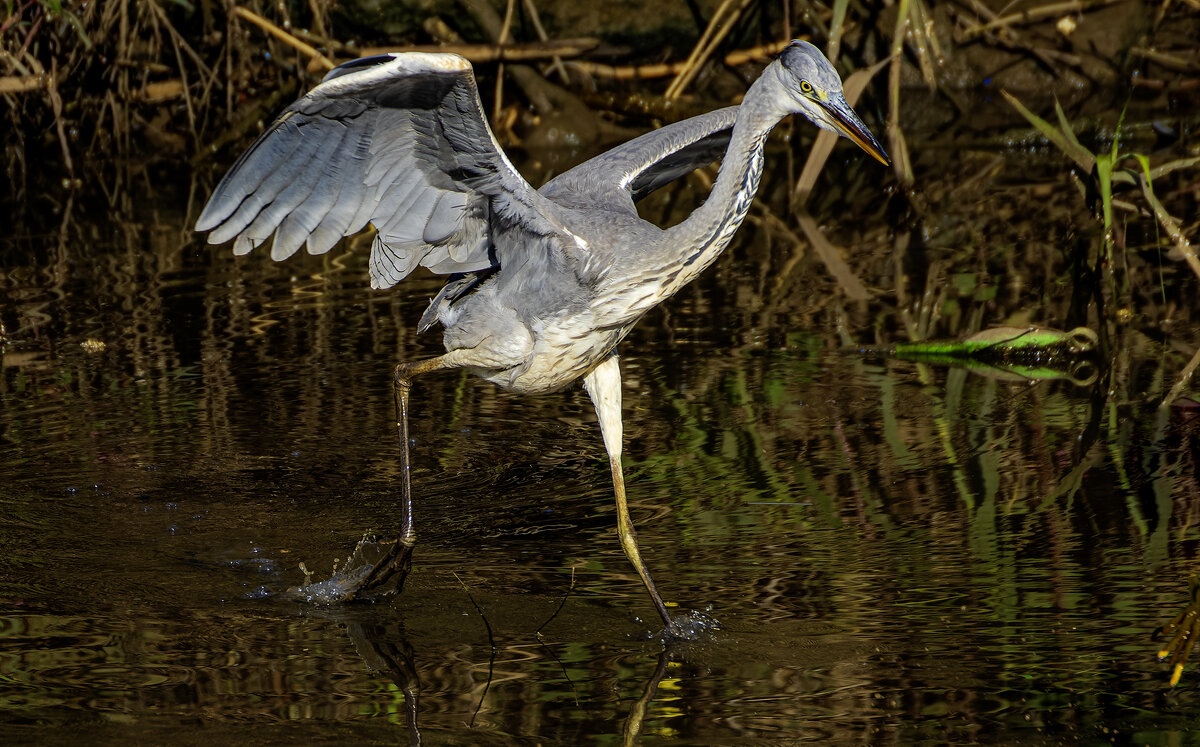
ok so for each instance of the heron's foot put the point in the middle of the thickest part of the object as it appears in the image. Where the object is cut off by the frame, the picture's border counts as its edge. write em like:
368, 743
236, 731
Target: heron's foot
691, 626
1184, 631
376, 569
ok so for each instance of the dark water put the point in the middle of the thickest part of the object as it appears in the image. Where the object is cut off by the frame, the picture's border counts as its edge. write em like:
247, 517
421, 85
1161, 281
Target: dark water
895, 551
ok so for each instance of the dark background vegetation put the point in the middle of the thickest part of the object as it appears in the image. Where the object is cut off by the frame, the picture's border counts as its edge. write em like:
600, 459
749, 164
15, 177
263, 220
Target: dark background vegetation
176, 79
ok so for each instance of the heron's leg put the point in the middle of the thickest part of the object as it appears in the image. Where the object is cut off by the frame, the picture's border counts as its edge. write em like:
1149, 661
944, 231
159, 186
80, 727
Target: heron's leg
603, 384
396, 561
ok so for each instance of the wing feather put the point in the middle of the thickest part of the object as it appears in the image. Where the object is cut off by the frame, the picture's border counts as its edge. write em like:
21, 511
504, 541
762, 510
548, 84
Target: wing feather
298, 225
399, 141
628, 172
250, 167
408, 222
249, 203
394, 201
445, 218
338, 222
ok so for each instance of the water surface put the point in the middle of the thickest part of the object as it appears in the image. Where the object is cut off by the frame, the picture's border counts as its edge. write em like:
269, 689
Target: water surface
895, 551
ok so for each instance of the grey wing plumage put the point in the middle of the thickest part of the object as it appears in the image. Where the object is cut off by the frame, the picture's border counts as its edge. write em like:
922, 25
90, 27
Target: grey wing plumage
617, 178
397, 140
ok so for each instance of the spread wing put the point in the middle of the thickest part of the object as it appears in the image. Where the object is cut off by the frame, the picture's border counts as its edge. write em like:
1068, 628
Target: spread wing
632, 170
397, 140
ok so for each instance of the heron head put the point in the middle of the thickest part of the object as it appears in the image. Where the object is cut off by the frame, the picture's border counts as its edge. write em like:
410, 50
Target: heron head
816, 91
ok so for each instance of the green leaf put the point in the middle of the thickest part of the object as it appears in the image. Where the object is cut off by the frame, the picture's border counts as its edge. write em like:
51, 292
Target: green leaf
1104, 168
1067, 144
1023, 353
1067, 130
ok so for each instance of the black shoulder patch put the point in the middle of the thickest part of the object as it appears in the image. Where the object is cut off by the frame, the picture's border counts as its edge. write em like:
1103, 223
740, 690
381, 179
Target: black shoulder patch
355, 65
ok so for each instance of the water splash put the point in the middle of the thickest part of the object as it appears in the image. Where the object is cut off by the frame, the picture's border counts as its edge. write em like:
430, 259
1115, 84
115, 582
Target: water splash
692, 626
344, 585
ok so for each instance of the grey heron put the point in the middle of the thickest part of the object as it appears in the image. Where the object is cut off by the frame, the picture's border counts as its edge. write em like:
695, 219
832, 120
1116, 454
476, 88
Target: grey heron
545, 283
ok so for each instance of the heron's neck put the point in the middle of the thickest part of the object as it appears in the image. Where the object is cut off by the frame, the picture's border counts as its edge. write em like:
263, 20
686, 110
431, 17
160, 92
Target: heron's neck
708, 230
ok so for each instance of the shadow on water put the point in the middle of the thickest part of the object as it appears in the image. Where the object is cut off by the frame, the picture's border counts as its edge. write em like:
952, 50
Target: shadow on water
894, 549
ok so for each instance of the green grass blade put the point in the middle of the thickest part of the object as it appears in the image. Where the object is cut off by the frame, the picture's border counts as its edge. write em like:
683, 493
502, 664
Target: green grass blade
1068, 145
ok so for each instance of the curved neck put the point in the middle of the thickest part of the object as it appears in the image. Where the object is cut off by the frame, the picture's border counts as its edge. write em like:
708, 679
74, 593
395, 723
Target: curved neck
708, 230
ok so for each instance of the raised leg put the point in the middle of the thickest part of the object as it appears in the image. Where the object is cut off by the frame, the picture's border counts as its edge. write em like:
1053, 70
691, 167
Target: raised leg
603, 385
395, 562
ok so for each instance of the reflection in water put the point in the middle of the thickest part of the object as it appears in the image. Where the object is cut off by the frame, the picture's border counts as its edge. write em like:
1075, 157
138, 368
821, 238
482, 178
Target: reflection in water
1020, 354
1182, 630
387, 650
895, 550
632, 728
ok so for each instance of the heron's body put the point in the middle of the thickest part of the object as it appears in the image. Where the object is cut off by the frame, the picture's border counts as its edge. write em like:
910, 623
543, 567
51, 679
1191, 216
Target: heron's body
548, 321
543, 328
546, 283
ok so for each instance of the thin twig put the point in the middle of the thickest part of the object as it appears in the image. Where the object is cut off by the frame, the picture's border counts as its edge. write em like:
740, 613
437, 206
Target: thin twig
538, 635
1169, 61
15, 16
1183, 163
282, 35
1170, 225
57, 106
22, 83
709, 41
510, 52
187, 94
1006, 36
556, 63
1035, 14
179, 42
664, 69
491, 642
900, 161
923, 42
498, 101
1184, 377
318, 17
695, 53
37, 24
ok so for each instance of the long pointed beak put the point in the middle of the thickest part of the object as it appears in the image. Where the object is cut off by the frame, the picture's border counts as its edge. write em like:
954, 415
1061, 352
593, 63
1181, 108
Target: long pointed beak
847, 123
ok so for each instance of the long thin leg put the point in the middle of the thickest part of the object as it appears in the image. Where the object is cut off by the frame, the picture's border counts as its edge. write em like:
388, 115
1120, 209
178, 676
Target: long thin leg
396, 561
603, 385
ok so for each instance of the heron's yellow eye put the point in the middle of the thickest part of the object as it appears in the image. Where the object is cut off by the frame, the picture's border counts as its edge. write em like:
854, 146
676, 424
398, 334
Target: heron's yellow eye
805, 87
